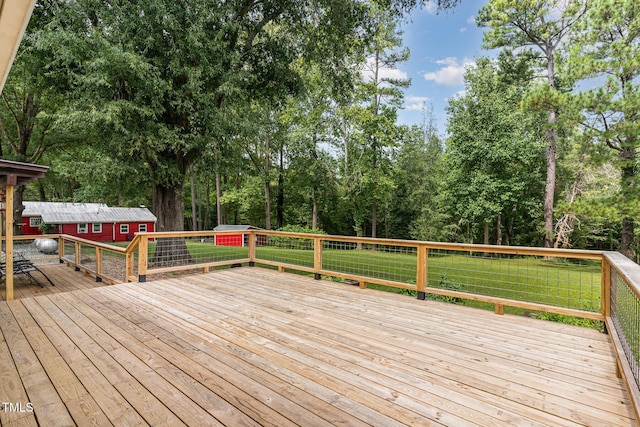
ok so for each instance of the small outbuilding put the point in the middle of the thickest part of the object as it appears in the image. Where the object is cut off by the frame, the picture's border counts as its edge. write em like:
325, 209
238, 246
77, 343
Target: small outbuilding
235, 239
93, 221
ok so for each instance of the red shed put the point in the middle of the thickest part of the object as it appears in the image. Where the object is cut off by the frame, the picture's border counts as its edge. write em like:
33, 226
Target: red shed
93, 221
234, 239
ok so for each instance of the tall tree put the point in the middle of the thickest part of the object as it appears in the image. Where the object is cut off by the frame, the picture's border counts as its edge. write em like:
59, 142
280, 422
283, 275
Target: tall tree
607, 48
307, 118
537, 29
492, 154
158, 73
385, 94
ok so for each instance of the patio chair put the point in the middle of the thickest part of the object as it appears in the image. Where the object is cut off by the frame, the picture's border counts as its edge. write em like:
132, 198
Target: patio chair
25, 267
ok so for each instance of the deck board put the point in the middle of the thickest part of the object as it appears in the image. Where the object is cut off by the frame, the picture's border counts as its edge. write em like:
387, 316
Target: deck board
250, 346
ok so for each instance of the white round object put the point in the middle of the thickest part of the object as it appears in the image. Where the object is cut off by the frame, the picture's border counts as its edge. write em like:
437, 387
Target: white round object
47, 246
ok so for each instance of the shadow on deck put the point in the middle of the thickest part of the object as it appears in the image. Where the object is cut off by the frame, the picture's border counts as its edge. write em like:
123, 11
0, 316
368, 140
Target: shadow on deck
64, 278
250, 346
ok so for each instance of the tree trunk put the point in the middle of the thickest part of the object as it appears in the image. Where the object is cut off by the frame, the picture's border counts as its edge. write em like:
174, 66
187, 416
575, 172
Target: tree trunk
499, 230
168, 206
194, 214
628, 178
359, 233
550, 186
314, 190
267, 187
551, 137
374, 219
280, 199
207, 211
18, 208
314, 210
41, 191
219, 218
486, 232
267, 205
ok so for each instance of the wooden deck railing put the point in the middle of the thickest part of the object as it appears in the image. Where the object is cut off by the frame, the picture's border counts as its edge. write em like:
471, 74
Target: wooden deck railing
601, 286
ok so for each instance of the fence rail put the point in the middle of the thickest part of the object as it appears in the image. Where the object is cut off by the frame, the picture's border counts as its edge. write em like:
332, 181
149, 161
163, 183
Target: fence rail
601, 286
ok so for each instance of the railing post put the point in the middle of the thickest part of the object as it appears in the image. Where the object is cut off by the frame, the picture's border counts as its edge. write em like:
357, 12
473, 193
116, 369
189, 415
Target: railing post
606, 288
421, 271
77, 256
128, 270
60, 249
317, 257
98, 264
143, 247
253, 237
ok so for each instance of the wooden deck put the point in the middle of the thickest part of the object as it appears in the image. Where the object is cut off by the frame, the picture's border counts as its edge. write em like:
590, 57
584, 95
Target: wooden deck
249, 346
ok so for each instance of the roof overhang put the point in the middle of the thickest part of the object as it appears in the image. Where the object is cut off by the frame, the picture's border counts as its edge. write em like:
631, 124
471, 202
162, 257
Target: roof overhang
14, 18
17, 173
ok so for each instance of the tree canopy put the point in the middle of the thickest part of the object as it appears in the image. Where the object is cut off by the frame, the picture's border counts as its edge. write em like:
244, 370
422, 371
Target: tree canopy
280, 114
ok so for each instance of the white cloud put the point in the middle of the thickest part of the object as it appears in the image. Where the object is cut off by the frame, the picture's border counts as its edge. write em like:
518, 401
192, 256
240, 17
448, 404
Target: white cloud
415, 103
451, 73
450, 60
388, 73
471, 19
463, 29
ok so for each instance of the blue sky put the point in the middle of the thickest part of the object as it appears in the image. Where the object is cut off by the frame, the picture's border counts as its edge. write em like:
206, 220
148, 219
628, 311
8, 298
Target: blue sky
441, 46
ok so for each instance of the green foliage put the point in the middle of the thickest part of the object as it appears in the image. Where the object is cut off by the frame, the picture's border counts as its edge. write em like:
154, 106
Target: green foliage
606, 47
46, 228
447, 284
570, 320
494, 157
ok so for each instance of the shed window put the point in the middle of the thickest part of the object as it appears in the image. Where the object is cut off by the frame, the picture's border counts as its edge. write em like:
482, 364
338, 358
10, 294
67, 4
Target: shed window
35, 221
83, 228
142, 228
96, 228
124, 228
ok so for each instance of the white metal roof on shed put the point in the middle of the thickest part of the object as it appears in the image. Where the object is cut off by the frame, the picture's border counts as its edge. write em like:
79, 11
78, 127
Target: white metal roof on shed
234, 227
78, 213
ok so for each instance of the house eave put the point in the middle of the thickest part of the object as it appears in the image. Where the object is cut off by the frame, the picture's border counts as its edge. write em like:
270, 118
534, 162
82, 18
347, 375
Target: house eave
14, 18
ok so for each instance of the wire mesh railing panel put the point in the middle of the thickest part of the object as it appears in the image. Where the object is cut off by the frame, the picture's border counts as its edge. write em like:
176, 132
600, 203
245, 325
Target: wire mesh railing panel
114, 266
286, 250
625, 313
36, 249
193, 250
87, 257
69, 248
558, 282
379, 261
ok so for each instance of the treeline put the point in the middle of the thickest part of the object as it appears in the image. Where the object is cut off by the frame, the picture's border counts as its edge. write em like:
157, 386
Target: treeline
281, 115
